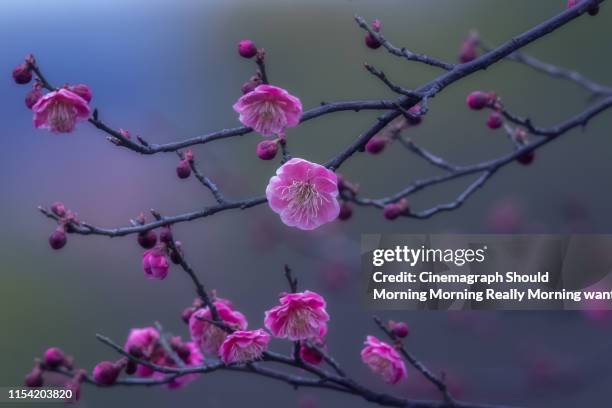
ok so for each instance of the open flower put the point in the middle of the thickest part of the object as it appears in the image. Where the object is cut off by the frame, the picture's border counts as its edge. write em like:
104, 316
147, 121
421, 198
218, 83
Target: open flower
59, 111
155, 263
300, 316
244, 346
269, 110
208, 336
384, 360
304, 194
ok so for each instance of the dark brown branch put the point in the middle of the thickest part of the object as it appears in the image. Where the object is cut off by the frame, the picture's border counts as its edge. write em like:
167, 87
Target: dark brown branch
440, 385
402, 52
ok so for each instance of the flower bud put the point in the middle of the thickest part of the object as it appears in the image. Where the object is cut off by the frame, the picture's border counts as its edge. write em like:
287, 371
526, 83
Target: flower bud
186, 315
416, 111
58, 239
310, 354
32, 97
399, 329
526, 158
22, 74
165, 235
346, 211
82, 90
392, 211
147, 239
183, 170
370, 40
58, 209
131, 367
477, 100
376, 144
247, 49
267, 149
106, 373
251, 84
34, 379
495, 120
469, 49
54, 357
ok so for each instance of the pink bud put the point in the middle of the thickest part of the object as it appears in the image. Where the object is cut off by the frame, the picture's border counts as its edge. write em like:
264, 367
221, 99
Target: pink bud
106, 373
247, 49
58, 239
372, 42
346, 211
131, 367
267, 149
183, 170
392, 211
310, 354
469, 49
251, 84
34, 379
376, 144
526, 158
495, 120
54, 357
58, 209
477, 100
572, 3
125, 133
186, 315
418, 119
22, 74
399, 329
147, 239
82, 90
32, 97
165, 235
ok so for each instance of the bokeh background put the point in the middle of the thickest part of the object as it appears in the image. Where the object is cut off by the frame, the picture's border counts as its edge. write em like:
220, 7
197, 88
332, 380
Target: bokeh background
169, 70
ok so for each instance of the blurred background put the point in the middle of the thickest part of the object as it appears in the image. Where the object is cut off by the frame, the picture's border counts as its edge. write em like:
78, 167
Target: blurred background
169, 70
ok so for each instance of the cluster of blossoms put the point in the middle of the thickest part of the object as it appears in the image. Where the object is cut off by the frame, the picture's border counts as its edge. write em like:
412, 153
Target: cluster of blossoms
223, 336
58, 110
155, 263
479, 100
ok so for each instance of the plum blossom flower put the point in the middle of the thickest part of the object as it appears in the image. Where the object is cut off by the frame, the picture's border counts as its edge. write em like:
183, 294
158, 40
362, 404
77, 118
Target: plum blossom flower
300, 316
304, 194
244, 346
383, 359
144, 343
208, 336
269, 110
155, 263
59, 111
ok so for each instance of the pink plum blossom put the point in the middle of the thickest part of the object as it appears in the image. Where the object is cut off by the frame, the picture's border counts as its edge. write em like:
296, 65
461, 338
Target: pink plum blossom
269, 110
244, 346
155, 263
59, 111
300, 316
383, 359
144, 343
208, 336
304, 194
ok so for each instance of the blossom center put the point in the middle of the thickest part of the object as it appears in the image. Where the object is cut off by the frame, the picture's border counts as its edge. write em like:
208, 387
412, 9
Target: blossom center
304, 199
62, 117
